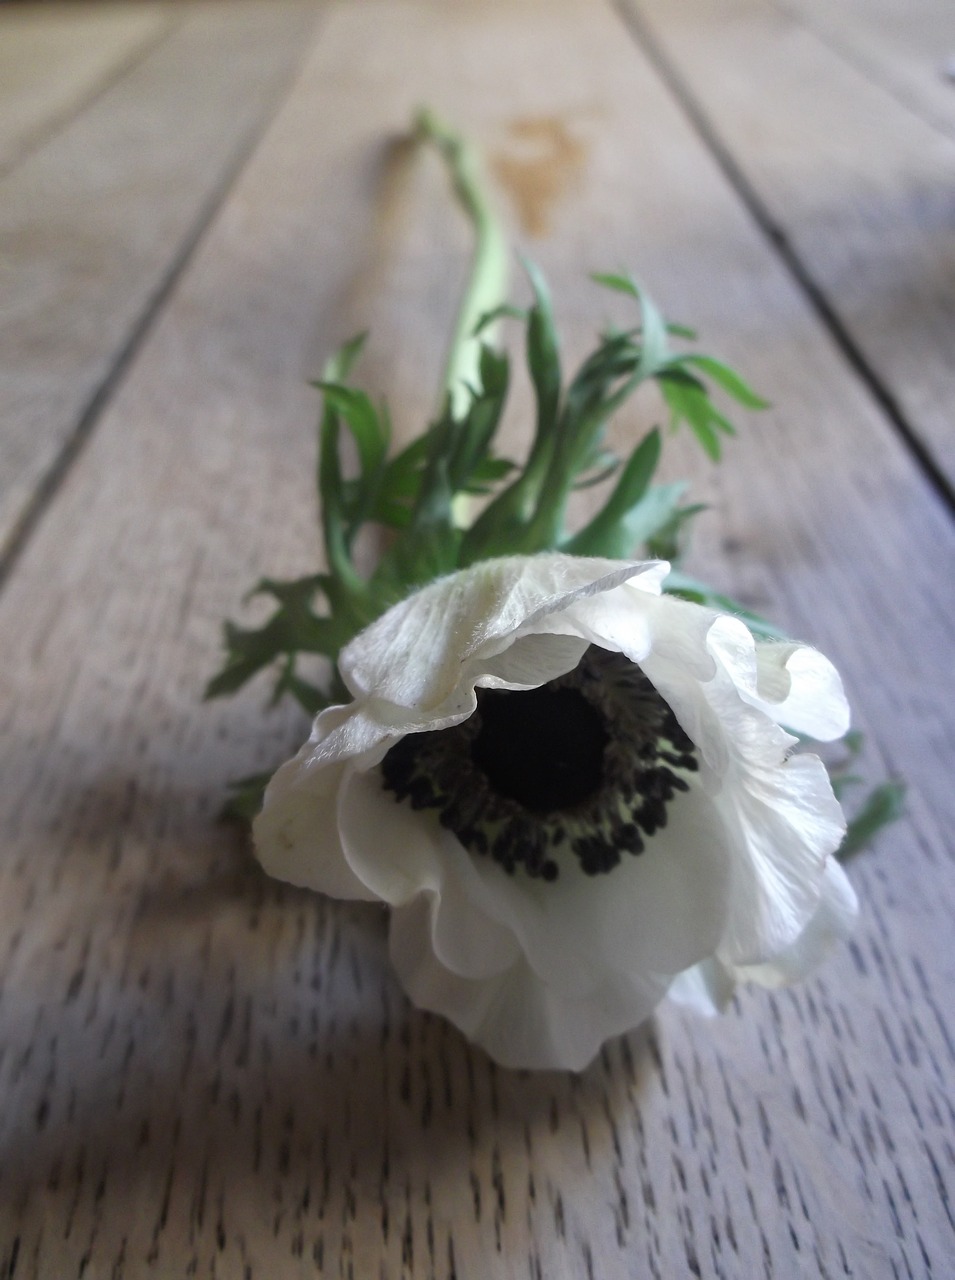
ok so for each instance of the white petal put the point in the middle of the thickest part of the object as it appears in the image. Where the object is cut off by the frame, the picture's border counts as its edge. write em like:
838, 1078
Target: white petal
530, 661
707, 988
401, 854
684, 673
296, 834
520, 1020
832, 923
480, 917
781, 816
802, 690
788, 822
796, 686
658, 912
419, 654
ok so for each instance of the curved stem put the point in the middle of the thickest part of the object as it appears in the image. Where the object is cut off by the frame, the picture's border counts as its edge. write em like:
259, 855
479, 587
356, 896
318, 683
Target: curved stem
487, 283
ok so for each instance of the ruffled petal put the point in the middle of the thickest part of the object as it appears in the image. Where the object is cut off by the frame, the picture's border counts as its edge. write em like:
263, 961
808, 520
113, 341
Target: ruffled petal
518, 1019
794, 685
297, 834
780, 814
801, 690
832, 923
658, 912
400, 854
787, 822
419, 654
707, 988
529, 661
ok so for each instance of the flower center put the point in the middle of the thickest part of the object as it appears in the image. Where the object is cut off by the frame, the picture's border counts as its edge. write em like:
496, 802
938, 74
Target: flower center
543, 748
587, 762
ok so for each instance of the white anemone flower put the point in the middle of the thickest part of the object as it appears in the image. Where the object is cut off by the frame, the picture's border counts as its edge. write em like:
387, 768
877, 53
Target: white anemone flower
575, 794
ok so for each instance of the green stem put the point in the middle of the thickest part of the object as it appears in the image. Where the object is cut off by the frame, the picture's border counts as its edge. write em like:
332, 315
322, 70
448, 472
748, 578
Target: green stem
487, 282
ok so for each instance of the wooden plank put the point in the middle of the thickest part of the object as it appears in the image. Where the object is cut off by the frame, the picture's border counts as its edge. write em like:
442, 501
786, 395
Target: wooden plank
94, 223
205, 1072
906, 46
54, 57
854, 182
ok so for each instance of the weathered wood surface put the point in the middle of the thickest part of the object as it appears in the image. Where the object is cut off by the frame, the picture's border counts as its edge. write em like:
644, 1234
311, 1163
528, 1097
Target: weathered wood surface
55, 58
96, 221
854, 182
906, 46
206, 1073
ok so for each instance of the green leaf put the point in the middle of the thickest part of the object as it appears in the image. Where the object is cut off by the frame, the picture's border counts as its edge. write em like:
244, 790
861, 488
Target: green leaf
614, 358
245, 802
494, 368
401, 478
722, 423
853, 742
293, 628
362, 418
543, 354
331, 491
680, 584
340, 364
655, 351
730, 381
617, 528
691, 404
503, 525
621, 536
502, 312
308, 696
600, 466
638, 473
667, 542
487, 473
843, 782
884, 805
619, 283
472, 435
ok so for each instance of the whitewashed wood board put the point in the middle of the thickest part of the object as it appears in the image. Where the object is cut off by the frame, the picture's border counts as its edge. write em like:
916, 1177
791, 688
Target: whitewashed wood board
857, 184
96, 221
205, 1072
905, 46
54, 58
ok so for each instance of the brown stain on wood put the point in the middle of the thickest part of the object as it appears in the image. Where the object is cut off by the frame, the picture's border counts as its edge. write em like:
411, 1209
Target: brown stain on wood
539, 166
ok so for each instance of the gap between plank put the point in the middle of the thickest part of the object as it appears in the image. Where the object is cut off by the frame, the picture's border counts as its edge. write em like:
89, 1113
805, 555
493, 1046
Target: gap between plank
62, 119
777, 237
49, 484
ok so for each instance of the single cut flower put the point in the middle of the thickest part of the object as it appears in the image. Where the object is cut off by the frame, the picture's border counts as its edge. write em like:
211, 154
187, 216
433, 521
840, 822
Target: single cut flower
576, 795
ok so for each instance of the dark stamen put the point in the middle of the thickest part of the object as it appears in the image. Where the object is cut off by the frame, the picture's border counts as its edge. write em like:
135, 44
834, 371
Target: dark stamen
586, 762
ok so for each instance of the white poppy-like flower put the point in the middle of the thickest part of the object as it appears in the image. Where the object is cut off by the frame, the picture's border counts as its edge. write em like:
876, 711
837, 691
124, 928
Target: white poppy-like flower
575, 795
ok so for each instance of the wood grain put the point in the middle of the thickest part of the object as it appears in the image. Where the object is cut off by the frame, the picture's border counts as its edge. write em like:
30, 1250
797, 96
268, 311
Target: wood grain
855, 183
95, 223
205, 1072
905, 46
54, 58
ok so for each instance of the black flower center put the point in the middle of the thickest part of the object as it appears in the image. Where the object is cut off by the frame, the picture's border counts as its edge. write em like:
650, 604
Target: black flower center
543, 748
588, 762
